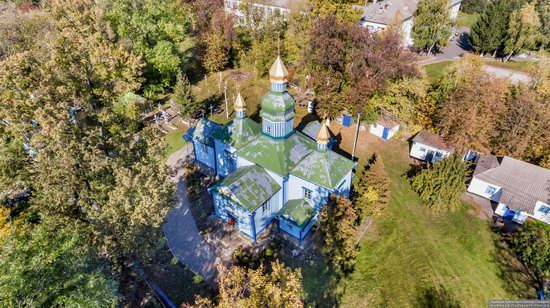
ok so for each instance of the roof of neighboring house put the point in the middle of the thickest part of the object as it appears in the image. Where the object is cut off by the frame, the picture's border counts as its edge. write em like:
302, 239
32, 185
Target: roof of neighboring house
384, 11
249, 187
238, 132
278, 3
204, 130
297, 211
278, 155
325, 168
433, 140
523, 184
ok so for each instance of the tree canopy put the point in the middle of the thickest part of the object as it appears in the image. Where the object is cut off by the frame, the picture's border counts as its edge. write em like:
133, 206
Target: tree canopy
432, 25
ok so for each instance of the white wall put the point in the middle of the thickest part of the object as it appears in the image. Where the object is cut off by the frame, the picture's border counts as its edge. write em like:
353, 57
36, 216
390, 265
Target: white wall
295, 191
418, 154
378, 130
479, 188
454, 10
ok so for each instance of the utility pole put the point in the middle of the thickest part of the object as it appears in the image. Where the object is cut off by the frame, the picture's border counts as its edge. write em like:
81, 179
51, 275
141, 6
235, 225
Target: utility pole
219, 82
225, 96
206, 81
356, 134
211, 108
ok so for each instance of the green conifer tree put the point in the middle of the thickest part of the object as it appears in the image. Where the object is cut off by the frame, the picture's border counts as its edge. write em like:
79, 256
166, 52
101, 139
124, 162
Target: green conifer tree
441, 184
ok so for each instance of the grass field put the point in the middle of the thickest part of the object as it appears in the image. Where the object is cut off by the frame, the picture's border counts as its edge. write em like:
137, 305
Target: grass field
435, 70
415, 259
511, 65
466, 20
174, 141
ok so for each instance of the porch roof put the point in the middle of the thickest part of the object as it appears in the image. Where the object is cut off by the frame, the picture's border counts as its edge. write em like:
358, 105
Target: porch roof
297, 211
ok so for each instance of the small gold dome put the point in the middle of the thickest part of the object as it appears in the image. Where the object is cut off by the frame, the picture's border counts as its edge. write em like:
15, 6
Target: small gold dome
239, 103
278, 72
323, 135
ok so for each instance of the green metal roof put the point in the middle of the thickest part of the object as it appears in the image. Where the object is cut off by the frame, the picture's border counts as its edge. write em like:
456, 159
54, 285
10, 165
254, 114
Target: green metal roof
278, 155
297, 211
248, 187
325, 168
277, 106
238, 132
204, 130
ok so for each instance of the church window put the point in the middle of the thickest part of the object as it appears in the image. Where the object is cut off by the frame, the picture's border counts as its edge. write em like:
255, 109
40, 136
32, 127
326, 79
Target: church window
307, 193
268, 129
265, 207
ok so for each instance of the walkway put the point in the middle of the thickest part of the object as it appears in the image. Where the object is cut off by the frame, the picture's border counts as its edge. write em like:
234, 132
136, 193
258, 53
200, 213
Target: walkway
180, 230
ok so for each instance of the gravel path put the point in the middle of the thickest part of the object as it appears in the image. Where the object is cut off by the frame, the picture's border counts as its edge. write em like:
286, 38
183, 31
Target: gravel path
180, 230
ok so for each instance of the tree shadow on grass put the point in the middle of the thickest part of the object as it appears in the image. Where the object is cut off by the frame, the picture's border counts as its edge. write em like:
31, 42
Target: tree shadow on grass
436, 297
516, 279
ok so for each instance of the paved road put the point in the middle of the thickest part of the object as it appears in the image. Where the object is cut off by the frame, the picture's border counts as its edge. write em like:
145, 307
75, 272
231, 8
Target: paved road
181, 231
514, 76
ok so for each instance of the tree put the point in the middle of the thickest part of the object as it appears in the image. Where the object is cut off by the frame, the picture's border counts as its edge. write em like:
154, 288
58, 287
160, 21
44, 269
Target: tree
183, 97
245, 287
348, 65
84, 168
373, 189
531, 245
489, 31
221, 42
543, 9
440, 185
45, 267
474, 6
158, 31
432, 25
469, 98
337, 225
523, 30
522, 127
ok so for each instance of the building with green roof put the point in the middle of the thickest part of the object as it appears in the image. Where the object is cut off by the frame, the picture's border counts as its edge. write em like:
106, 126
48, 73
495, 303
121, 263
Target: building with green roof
270, 172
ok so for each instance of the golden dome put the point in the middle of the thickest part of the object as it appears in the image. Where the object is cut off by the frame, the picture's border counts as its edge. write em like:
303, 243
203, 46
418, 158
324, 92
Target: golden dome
323, 135
239, 103
278, 72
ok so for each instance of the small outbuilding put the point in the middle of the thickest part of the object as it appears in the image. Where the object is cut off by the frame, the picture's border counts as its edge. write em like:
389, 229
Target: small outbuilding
385, 127
429, 147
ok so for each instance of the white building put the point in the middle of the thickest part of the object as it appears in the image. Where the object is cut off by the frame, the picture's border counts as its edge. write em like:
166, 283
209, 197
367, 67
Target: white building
429, 147
519, 189
380, 13
385, 127
261, 8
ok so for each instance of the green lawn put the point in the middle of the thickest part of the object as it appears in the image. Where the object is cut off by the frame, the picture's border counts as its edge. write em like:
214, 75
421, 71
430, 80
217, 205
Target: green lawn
174, 141
466, 20
435, 70
511, 65
415, 259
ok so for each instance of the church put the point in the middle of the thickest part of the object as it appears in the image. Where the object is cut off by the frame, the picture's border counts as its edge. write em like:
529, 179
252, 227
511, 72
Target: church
270, 172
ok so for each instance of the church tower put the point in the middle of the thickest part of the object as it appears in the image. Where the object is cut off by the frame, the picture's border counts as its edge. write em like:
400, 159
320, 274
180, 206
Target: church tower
323, 137
240, 106
278, 105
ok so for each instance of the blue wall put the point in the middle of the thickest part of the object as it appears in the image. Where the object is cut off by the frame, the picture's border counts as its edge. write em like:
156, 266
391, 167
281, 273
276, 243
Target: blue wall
204, 154
294, 230
226, 165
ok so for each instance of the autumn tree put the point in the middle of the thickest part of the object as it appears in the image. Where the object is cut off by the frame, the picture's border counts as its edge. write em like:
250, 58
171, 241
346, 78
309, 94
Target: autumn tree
432, 25
373, 189
469, 98
337, 225
222, 43
531, 245
41, 267
279, 286
441, 184
543, 10
523, 30
522, 128
348, 64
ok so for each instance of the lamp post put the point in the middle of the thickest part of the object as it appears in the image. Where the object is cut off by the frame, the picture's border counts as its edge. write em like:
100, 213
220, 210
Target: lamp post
356, 134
